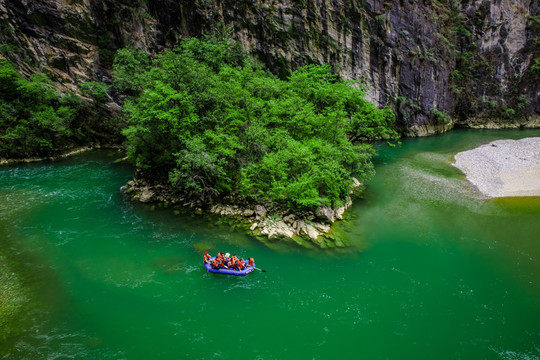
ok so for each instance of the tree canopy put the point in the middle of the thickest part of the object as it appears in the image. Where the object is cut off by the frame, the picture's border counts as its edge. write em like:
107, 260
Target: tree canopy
214, 123
36, 120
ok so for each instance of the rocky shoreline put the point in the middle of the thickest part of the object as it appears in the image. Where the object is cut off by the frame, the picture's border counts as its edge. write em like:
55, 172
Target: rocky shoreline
73, 151
272, 223
496, 123
486, 123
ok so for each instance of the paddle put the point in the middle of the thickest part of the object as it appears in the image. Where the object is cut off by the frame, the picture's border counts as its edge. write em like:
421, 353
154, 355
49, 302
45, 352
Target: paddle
259, 269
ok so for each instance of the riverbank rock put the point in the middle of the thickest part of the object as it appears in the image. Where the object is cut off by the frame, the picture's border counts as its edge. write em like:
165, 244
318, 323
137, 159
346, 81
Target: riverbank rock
260, 211
278, 229
309, 230
274, 223
327, 214
73, 151
248, 213
146, 195
493, 123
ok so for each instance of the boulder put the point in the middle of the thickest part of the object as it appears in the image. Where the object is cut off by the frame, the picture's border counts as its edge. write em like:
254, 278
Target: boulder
326, 213
339, 212
301, 227
289, 219
307, 229
146, 194
248, 213
323, 228
265, 230
279, 229
129, 187
260, 211
311, 232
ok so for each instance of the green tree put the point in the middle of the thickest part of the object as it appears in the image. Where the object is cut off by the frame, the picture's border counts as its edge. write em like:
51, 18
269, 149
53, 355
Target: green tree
130, 68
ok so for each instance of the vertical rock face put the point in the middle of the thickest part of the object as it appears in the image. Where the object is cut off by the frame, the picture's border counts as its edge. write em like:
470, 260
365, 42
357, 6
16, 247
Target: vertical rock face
434, 62
504, 66
73, 41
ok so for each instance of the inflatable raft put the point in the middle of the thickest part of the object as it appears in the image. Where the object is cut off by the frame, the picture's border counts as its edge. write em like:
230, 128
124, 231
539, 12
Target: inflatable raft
227, 271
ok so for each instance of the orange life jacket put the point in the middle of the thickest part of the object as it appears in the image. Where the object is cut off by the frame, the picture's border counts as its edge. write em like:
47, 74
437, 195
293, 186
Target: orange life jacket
240, 264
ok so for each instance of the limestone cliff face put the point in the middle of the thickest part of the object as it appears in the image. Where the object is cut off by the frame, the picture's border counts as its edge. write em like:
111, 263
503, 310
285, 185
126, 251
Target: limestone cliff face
435, 62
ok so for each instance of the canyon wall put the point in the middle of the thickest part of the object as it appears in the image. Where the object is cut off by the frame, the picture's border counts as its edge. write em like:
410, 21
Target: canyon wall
436, 63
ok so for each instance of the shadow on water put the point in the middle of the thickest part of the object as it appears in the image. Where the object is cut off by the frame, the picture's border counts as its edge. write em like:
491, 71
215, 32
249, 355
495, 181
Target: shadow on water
32, 293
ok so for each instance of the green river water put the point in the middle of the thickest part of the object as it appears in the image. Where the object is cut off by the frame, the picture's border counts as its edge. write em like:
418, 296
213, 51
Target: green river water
434, 271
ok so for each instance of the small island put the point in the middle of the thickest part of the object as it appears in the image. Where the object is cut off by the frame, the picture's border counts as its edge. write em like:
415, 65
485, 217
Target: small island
503, 168
210, 128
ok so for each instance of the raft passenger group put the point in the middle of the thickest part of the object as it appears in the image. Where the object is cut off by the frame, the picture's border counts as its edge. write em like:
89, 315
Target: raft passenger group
227, 261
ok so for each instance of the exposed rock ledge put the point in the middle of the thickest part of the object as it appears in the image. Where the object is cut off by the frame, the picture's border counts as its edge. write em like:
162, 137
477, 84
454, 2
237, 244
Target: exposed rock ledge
491, 123
274, 224
73, 151
503, 168
529, 122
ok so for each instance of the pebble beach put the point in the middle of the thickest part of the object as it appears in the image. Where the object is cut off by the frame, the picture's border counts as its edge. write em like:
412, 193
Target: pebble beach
503, 168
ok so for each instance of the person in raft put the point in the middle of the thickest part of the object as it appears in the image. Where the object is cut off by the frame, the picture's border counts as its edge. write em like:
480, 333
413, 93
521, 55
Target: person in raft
240, 265
217, 263
226, 261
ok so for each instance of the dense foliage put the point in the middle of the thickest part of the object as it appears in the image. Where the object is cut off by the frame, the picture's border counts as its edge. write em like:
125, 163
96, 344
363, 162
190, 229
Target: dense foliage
35, 120
214, 123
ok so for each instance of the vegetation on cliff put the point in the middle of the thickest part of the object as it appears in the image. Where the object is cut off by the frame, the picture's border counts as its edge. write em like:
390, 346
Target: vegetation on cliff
212, 122
37, 121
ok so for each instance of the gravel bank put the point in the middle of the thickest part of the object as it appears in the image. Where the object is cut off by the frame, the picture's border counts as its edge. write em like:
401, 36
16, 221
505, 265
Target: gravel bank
503, 168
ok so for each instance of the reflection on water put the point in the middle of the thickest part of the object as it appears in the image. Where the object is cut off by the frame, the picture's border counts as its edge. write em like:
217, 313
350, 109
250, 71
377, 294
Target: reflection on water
434, 269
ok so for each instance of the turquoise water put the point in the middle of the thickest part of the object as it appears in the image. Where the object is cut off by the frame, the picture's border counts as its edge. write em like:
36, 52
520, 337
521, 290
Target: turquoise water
434, 270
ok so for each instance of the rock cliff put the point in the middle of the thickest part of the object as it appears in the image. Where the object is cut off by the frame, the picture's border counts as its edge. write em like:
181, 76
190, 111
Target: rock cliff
437, 63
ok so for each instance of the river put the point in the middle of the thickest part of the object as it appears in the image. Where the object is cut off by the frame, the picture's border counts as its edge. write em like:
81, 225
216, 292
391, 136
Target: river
434, 270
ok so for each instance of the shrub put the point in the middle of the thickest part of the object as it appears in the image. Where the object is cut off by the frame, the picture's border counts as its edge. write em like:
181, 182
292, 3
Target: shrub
440, 116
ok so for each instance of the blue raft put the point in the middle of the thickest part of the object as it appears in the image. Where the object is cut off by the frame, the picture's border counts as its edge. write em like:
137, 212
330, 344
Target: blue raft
227, 271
